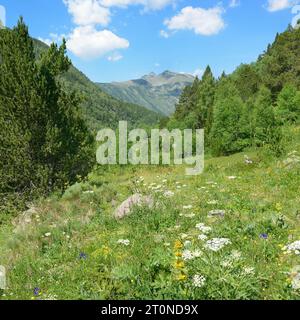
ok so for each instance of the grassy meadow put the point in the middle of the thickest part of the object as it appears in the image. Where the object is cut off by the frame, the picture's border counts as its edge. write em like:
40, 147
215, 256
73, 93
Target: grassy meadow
71, 247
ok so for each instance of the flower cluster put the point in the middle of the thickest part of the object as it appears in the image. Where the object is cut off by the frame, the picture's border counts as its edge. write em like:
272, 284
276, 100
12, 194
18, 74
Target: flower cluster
203, 228
295, 246
217, 244
189, 255
125, 242
199, 281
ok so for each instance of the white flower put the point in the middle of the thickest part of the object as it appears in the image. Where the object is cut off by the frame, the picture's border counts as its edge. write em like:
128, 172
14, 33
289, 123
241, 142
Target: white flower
203, 228
48, 234
217, 244
125, 242
249, 271
202, 237
198, 281
295, 246
184, 236
236, 255
187, 255
188, 207
232, 177
169, 194
212, 202
165, 180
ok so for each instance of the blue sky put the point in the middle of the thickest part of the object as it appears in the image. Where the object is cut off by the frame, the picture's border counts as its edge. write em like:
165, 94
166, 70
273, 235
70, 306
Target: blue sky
116, 40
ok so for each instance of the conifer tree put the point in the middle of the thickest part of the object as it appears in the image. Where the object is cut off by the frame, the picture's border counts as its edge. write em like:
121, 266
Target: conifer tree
44, 143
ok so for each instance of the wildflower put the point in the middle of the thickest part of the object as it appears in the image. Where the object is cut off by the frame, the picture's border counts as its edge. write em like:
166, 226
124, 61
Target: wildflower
125, 242
178, 254
183, 236
263, 236
248, 271
199, 281
179, 265
187, 255
202, 237
295, 246
36, 291
48, 234
217, 244
232, 177
181, 277
82, 255
203, 228
178, 244
188, 207
169, 194
212, 202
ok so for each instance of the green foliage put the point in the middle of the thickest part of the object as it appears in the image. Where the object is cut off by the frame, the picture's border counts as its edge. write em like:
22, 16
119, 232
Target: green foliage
230, 118
288, 105
44, 142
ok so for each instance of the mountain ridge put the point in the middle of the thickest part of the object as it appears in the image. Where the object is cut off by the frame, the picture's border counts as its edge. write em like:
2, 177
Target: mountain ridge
156, 92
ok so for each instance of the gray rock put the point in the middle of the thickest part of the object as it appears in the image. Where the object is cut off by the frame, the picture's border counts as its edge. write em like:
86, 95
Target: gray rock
216, 213
25, 219
127, 206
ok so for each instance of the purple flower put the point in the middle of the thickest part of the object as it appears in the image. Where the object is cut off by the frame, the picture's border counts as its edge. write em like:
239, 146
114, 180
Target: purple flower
36, 291
82, 255
263, 236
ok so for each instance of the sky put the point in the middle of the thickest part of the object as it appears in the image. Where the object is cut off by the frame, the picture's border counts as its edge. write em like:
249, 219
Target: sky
118, 40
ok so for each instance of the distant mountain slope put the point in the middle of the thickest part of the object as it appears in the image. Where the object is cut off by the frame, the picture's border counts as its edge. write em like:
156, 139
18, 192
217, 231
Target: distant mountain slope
99, 108
159, 92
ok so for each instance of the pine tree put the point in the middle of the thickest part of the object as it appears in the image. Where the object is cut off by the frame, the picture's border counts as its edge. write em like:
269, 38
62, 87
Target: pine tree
44, 143
205, 100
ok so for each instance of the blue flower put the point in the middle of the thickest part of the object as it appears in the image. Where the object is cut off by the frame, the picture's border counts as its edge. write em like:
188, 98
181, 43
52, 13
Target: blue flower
82, 255
36, 291
263, 236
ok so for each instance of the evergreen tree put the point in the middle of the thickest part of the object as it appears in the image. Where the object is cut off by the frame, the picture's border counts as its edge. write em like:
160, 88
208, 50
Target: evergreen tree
44, 143
205, 100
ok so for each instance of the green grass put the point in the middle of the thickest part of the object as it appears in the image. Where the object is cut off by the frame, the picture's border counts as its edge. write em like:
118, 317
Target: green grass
82, 259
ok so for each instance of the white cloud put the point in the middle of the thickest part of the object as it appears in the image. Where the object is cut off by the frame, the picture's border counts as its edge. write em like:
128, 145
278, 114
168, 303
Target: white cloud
88, 43
277, 5
53, 37
202, 21
148, 4
164, 34
88, 12
115, 57
234, 3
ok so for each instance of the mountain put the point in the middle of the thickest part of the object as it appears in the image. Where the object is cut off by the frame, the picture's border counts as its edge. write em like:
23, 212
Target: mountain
99, 108
158, 93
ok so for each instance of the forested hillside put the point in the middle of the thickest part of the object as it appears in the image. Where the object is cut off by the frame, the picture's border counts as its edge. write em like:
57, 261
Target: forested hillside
156, 92
248, 107
99, 108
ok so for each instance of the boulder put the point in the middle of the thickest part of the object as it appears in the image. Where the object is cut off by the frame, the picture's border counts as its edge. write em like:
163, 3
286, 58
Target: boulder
127, 206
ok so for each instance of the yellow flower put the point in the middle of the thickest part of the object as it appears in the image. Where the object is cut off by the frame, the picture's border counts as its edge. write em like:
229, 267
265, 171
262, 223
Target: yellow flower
179, 264
178, 244
278, 207
178, 254
181, 277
